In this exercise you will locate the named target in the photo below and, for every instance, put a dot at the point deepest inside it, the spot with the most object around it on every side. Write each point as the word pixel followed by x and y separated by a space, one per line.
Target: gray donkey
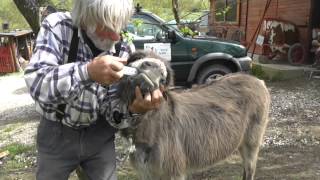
pixel 194 129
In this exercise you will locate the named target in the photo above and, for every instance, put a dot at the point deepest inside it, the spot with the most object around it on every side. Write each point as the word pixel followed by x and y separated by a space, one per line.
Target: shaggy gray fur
pixel 192 130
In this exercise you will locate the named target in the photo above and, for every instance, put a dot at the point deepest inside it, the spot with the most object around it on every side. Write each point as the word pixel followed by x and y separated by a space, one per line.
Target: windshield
pixel 146 26
pixel 175 28
pixel 170 26
pixel 158 18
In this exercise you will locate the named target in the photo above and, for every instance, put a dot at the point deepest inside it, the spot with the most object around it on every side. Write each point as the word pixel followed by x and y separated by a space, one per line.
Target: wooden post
pixel 246 25
pixel 15 62
pixel 12 55
pixel 258 28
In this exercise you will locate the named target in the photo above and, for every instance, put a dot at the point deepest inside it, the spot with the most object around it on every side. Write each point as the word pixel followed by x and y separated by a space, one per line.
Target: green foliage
pixel 164 8
pixel 137 22
pixel 63 4
pixel 186 31
pixel 58 4
pixel 258 72
pixel 127 37
pixel 223 11
pixel 9 13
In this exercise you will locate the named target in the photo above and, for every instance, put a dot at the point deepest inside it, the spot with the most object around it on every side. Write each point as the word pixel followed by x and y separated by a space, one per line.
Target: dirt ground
pixel 291 148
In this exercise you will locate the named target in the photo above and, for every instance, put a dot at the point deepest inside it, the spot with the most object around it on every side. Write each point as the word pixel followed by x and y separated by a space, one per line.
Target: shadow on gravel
pixel 21 91
pixel 19 114
pixel 289 162
pixel 285 162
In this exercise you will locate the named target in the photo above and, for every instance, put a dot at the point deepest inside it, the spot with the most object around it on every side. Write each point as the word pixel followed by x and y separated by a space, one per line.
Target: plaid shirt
pixel 52 81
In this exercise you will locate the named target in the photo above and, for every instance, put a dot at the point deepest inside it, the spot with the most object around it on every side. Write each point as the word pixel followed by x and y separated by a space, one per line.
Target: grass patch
pixel 11 127
pixel 20 156
pixel 8 129
pixel 122 176
pixel 18 148
pixel 126 172
pixel 258 72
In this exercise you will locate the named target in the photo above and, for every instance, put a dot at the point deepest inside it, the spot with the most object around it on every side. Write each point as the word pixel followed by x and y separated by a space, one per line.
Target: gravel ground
pixel 293 134
pixel 15 102
pixel 295 113
pixel 16 111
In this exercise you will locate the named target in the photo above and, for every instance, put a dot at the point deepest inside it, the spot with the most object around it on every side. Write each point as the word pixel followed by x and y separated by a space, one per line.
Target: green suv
pixel 194 60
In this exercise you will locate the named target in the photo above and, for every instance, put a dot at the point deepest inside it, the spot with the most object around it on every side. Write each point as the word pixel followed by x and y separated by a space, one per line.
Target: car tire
pixel 212 72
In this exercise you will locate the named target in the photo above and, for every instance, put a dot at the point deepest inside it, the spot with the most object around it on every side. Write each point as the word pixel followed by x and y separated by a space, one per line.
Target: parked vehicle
pixel 193 59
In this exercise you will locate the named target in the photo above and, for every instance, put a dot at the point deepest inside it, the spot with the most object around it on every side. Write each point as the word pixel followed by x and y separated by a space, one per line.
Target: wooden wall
pixel 296 11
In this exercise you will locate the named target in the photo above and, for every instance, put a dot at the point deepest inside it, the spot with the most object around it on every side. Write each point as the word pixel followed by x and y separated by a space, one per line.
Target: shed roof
pixel 16 33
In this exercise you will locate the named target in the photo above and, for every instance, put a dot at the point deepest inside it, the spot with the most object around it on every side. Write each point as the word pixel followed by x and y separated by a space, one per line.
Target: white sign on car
pixel 162 49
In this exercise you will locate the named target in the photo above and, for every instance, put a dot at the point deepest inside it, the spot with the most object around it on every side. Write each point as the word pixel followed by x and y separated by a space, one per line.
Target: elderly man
pixel 72 77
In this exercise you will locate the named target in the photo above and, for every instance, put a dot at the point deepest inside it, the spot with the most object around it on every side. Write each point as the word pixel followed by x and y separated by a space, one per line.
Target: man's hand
pixel 106 70
pixel 149 102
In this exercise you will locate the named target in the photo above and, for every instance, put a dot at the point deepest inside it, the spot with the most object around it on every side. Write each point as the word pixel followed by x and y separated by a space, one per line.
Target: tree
pixel 30 11
pixel 9 13
pixel 176 10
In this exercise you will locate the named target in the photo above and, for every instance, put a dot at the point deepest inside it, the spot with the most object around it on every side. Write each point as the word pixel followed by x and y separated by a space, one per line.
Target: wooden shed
pixel 15 50
pixel 267 25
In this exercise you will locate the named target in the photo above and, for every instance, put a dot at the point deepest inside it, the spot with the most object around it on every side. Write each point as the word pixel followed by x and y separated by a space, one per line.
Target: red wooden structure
pixel 15 47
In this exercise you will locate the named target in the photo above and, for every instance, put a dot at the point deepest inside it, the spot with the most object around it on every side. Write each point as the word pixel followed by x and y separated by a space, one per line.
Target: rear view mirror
pixel 172 35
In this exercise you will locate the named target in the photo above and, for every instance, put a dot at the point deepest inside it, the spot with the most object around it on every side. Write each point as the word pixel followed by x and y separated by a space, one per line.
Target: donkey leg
pixel 168 177
pixel 252 139
pixel 147 176
pixel 181 177
pixel 249 156
pixel 250 146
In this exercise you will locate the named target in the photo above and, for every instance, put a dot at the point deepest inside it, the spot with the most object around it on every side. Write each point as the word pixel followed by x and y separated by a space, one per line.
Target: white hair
pixel 111 14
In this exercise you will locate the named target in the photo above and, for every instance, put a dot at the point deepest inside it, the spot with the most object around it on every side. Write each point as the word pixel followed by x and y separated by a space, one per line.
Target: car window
pixel 143 29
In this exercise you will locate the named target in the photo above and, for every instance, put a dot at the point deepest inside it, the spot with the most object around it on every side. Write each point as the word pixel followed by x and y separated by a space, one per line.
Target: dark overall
pixel 61 149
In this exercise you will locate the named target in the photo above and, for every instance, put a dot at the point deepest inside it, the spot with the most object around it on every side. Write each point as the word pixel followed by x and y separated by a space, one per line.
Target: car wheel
pixel 211 73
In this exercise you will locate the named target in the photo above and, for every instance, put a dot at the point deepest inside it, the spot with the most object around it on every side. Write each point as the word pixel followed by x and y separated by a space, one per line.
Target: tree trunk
pixel 30 11
pixel 175 10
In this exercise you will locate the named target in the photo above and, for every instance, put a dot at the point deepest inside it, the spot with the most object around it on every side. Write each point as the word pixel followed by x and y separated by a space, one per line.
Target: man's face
pixel 102 38
pixel 106 33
